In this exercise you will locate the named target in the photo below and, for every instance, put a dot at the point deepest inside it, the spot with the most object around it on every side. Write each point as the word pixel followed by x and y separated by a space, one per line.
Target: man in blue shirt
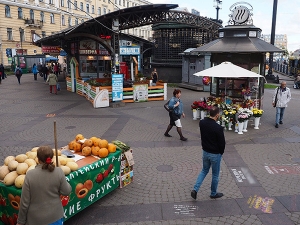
pixel 213 145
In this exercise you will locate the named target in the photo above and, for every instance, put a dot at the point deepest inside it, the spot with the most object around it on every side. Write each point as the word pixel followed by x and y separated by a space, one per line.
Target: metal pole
pixel 217 12
pixel 272 41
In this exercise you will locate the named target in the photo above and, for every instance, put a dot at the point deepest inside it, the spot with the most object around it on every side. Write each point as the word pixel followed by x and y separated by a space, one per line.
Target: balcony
pixel 33 23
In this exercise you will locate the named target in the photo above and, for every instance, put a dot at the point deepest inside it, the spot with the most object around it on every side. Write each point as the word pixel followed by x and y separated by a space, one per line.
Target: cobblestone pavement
pixel 156 196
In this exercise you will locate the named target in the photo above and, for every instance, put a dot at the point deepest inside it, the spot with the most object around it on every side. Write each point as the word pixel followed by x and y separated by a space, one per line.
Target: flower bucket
pixel 230 125
pixel 256 122
pixel 203 114
pixel 245 126
pixel 240 127
pixel 198 114
pixel 195 114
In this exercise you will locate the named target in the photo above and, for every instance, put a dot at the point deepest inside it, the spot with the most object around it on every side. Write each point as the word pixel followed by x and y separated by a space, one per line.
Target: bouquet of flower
pixel 194 105
pixel 242 117
pixel 248 103
pixel 230 114
pixel 206 80
pixel 246 92
pixel 202 105
pixel 257 112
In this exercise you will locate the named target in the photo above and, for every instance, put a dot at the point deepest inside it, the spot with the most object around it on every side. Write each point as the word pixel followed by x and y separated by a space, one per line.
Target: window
pixel 81 6
pixel 123 2
pixel 76 21
pixel 108 10
pixel 99 11
pixel 7 11
pixel 31 14
pixel 43 34
pixel 127 4
pixel 51 2
pixel 104 10
pixel 82 21
pixel 62 3
pixel 119 2
pixel 70 21
pixel 75 4
pixel 69 4
pixel 63 20
pixel 20 13
pixel 42 17
pixel 87 8
pixel 93 9
pixel 51 18
pixel 116 1
pixel 9 34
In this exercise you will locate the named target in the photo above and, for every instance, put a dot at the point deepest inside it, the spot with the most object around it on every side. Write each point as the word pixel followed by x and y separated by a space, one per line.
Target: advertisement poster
pixel 117 87
pixel 140 93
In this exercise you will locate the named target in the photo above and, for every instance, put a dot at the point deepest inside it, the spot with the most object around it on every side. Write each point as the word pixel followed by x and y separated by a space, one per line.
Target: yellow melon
pixel 103 152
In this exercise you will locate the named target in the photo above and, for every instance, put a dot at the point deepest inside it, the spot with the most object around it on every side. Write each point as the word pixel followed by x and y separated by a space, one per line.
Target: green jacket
pixel 52 79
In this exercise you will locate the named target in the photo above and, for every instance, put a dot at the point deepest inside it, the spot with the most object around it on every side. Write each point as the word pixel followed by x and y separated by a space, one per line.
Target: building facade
pixel 280 40
pixel 25 21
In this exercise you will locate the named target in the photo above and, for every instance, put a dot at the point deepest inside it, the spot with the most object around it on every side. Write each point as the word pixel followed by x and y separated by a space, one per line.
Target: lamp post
pixel 218 6
pixel 270 75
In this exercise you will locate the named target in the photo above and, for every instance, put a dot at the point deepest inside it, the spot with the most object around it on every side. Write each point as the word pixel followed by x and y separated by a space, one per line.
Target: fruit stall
pixel 95 169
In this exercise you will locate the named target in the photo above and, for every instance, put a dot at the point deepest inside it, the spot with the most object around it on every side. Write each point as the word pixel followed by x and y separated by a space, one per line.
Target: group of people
pixel 212 135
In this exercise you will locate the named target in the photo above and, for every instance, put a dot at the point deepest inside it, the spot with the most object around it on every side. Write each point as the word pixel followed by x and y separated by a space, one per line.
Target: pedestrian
pixel 34 71
pixel 213 145
pixel 282 95
pixel 18 73
pixel 2 73
pixel 154 77
pixel 55 69
pixel 45 71
pixel 176 107
pixel 40 200
pixel 52 80
pixel 39 68
pixel 297 82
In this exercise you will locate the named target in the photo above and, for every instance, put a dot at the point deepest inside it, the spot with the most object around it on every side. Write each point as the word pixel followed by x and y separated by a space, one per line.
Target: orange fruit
pixel 103 152
pixel 111 147
pixel 103 143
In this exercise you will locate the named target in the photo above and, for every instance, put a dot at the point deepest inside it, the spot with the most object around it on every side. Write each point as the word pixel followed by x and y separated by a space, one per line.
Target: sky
pixel 287 19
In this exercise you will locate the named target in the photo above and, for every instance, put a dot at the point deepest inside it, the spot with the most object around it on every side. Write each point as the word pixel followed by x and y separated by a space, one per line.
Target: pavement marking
pixel 187 210
pixel 50 115
pixel 261 203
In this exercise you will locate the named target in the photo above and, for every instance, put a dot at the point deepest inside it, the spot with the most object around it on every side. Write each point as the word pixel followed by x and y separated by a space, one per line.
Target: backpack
pixel 166 106
pixel 18 72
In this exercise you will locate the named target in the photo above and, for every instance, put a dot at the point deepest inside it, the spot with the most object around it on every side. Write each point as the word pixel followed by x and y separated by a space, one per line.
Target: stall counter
pixel 94 179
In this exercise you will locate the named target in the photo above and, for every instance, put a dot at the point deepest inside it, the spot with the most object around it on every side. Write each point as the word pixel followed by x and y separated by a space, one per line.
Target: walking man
pixel 282 95
pixel 213 145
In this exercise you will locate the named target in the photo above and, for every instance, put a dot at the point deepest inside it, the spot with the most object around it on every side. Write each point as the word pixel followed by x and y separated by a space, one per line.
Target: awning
pixel 50 58
pixel 237 45
pixel 227 70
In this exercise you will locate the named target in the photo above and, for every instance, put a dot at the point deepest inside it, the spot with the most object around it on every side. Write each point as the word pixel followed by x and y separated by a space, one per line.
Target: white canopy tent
pixel 228 70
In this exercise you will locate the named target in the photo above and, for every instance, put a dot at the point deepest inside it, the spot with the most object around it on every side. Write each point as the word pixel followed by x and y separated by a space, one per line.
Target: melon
pixel 3 171
pixel 21 158
pixel 19 181
pixel 34 149
pixel 103 152
pixel 8 159
pixel 12 165
pixel 66 169
pixel 30 168
pixel 9 179
pixel 30 162
pixel 72 165
pixel 22 168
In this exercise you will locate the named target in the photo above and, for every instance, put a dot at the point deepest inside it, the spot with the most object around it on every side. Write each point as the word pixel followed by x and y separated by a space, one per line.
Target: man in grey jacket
pixel 282 95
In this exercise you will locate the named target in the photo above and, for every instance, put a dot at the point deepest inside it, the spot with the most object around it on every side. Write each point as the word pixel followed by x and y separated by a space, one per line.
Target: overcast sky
pixel 287 21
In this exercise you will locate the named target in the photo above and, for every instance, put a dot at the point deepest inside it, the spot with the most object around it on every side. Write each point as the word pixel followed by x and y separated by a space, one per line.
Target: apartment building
pixel 24 21
pixel 280 40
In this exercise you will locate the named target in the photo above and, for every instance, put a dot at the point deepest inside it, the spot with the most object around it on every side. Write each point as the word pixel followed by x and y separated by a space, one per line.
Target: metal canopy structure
pixel 129 18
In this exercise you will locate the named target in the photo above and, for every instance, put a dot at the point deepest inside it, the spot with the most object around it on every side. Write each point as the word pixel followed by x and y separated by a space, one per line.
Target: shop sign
pixel 93 52
pixel 117 87
pixel 51 49
pixel 130 50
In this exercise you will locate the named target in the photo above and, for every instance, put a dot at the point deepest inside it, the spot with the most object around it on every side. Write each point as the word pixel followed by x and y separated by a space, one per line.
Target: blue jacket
pixel 178 110
pixel 34 69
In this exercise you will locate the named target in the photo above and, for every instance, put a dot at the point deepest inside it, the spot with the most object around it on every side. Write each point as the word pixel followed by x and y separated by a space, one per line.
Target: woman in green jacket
pixel 52 80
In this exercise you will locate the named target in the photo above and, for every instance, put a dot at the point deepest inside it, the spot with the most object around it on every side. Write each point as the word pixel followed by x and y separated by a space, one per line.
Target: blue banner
pixel 117 87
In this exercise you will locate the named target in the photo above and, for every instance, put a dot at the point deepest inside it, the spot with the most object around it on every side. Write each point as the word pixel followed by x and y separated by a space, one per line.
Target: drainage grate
pixel 164 168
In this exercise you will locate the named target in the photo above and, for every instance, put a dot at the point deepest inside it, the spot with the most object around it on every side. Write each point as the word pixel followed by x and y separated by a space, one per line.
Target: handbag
pixel 166 106
pixel 275 102
pixel 58 87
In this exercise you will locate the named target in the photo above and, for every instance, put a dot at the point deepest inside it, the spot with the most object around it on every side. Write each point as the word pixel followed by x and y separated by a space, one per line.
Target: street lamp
pixel 218 5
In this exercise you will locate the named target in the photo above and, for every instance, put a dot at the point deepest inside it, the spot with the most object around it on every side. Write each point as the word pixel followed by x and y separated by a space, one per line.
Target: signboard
pixel 130 50
pixel 140 93
pixel 117 87
pixel 51 49
pixel 101 99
